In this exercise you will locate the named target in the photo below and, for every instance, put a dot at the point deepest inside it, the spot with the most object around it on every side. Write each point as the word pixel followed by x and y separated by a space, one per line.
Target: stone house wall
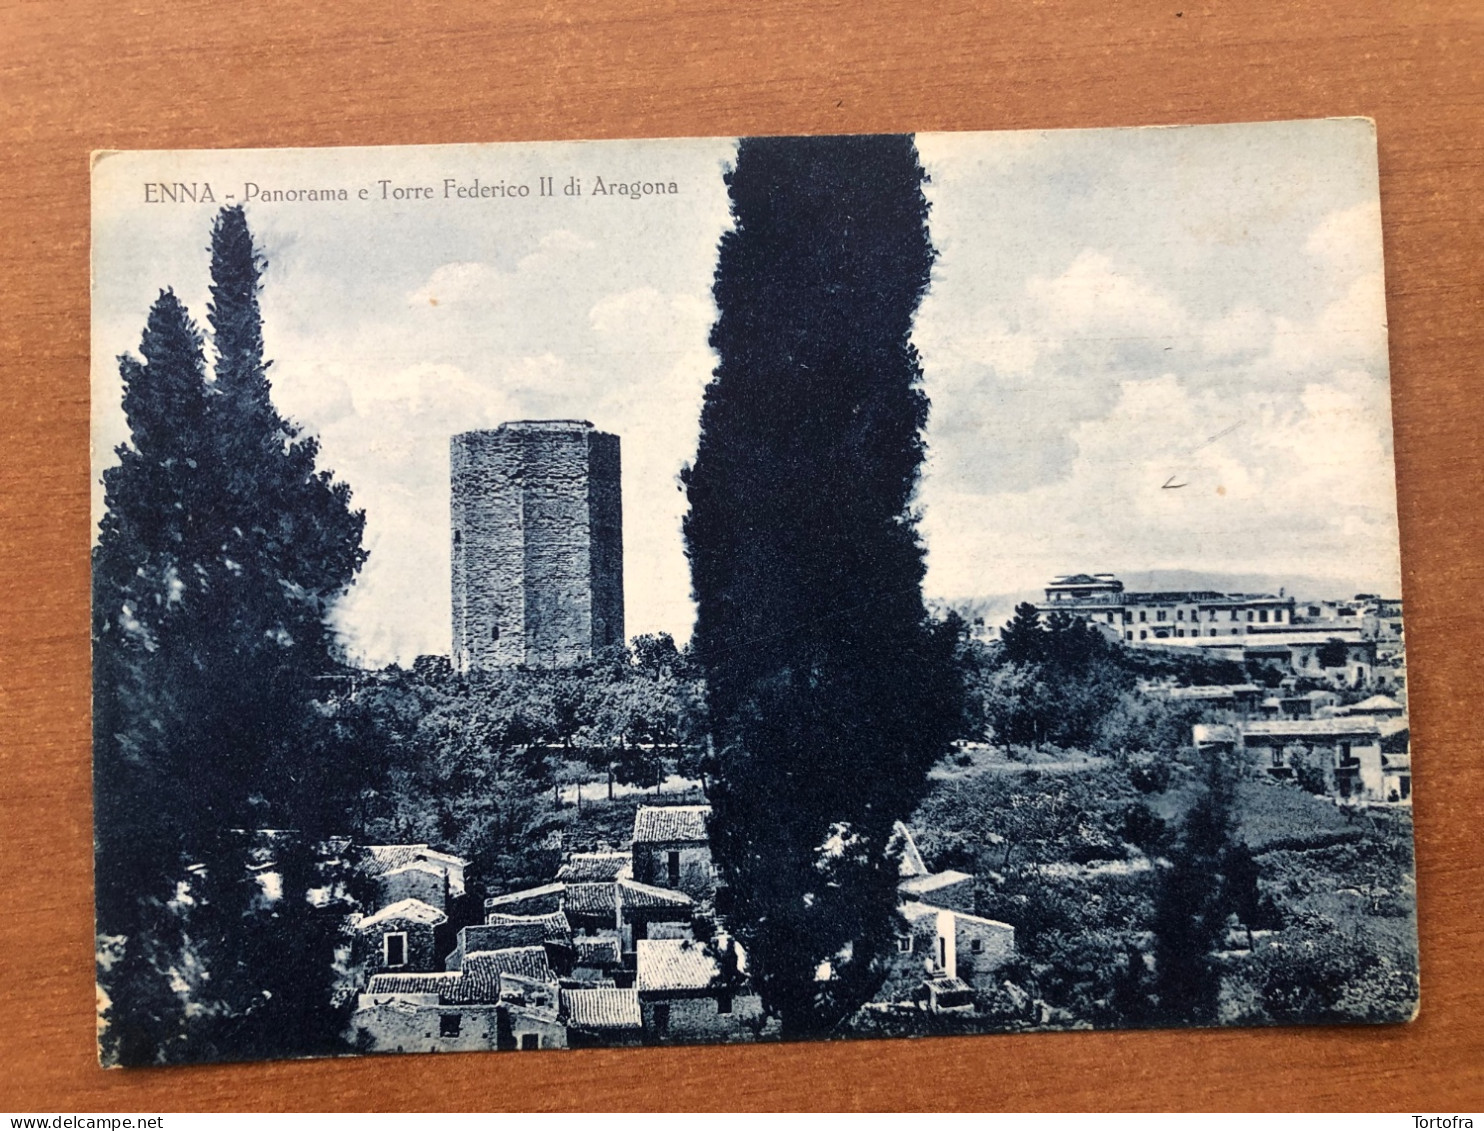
pixel 422 950
pixel 698 1017
pixel 413 883
pixel 697 875
pixel 981 947
pixel 404 1026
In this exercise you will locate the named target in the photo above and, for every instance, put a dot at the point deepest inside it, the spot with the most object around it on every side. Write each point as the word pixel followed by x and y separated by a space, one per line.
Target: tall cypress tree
pixel 146 589
pixel 295 546
pixel 207 716
pixel 1192 901
pixel 289 531
pixel 830 691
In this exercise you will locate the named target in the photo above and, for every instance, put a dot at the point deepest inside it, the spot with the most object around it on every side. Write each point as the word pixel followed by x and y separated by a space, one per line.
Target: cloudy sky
pixel 1112 311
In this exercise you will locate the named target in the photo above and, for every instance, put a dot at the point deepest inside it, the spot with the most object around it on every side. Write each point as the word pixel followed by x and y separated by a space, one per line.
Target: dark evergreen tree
pixel 144 591
pixel 291 545
pixel 221 553
pixel 1023 639
pixel 829 690
pixel 1192 902
pixel 292 522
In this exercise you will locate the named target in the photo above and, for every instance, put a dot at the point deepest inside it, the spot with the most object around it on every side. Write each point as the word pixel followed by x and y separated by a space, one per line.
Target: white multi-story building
pixel 1350 644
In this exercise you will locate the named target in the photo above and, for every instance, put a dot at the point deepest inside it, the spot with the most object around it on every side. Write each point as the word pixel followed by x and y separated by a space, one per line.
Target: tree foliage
pixel 830 693
pixel 220 555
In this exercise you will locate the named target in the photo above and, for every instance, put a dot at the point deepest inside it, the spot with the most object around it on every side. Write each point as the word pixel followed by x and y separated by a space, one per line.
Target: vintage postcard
pixel 724 590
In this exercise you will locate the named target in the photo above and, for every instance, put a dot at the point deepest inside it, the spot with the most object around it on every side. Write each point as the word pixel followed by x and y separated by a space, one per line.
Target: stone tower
pixel 537 545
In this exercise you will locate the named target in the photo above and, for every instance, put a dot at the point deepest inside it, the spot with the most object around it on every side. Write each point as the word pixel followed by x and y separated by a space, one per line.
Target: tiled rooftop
pixel 662 823
pixel 1311 728
pixel 591 899
pixel 409 910
pixel 933 881
pixel 382 858
pixel 545 893
pixel 554 927
pixel 602 1009
pixel 634 894
pixel 595 867
pixel 673 964
pixel 440 982
pixel 482 970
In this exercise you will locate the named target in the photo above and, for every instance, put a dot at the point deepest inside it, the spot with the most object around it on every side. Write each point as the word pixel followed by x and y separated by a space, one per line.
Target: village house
pixel 692 991
pixel 460 1011
pixel 624 909
pixel 415 871
pixel 602 1016
pixel 1342 754
pixel 399 937
pixel 1346 750
pixel 410 1013
pixel 504 932
pixel 937 942
pixel 672 849
pixel 944 953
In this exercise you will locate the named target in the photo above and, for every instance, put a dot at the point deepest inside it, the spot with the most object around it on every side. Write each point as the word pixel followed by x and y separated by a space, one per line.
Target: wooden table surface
pixel 83 76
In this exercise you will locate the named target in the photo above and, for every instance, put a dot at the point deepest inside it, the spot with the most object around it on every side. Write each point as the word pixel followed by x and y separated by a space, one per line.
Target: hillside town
pixel 629 944
pixel 1329 681
pixel 620 948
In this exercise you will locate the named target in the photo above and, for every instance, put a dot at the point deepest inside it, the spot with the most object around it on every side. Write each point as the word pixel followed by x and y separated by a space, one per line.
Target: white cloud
pixel 1097 298
pixel 1348 240
pixel 454 282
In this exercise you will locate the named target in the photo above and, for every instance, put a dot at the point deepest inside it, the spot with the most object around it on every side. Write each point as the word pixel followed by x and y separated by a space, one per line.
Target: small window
pixel 1179 614
pixel 976 946
pixel 458 538
pixel 672 868
pixel 394 948
pixel 494 632
pixel 1263 616
pixel 1143 616
pixel 662 1019
pixel 723 1003
pixel 529 1041
pixel 942 952
pixel 904 944
pixel 449 1024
